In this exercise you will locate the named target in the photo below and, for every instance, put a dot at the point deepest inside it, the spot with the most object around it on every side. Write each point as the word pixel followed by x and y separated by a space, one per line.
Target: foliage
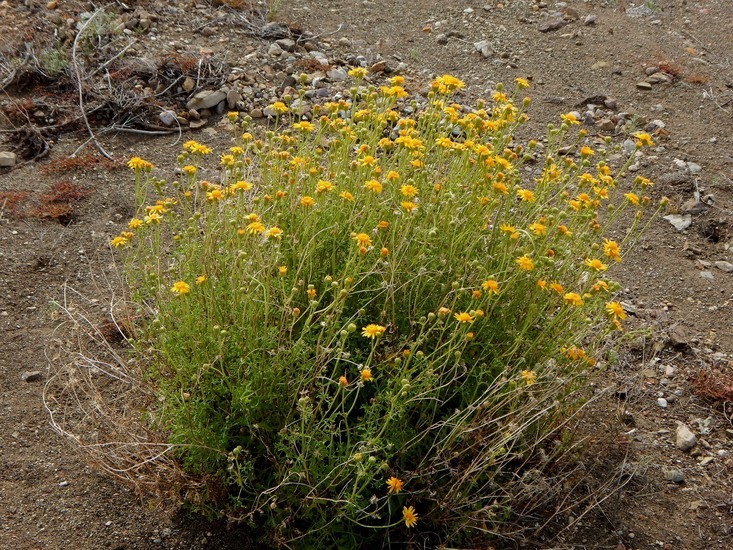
pixel 373 321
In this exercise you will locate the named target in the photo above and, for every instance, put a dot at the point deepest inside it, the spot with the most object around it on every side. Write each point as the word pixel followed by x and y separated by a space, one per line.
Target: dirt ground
pixel 677 364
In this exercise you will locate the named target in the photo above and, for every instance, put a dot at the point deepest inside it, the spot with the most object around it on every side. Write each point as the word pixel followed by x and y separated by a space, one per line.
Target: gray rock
pixel 552 24
pixel 256 113
pixel 233 97
pixel 205 100
pixel 674 475
pixel 337 75
pixel 680 222
pixel 685 439
pixel 196 124
pixel 274 50
pixel 320 57
pixel 662 402
pixel 708 275
pixel 299 107
pixel 168 118
pixel 610 103
pixel 442 39
pixel 484 47
pixel 655 125
pixel 590 19
pixel 651 70
pixel 724 266
pixel 694 168
pixel 694 207
pixel 287 44
pixel 7 159
pixel 659 78
pixel 629 146
pixel 646 86
pixel 31 376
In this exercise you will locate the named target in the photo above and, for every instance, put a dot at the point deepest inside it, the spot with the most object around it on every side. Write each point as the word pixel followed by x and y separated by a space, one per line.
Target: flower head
pixel 180 288
pixel 615 310
pixel 118 241
pixel 394 484
pixel 410 516
pixel 525 263
pixel 528 376
pixel 573 298
pixel 463 317
pixel 362 239
pixel 490 286
pixel 366 374
pixel 136 163
pixel 373 331
pixel 612 250
pixel 595 264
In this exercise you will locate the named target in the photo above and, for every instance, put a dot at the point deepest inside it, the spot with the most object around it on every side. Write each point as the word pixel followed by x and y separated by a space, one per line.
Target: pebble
pixel 708 275
pixel 7 159
pixel 680 222
pixel 674 475
pixel 31 376
pixel 590 19
pixel 274 50
pixel 694 168
pixel 233 97
pixel 646 86
pixel 606 124
pixel 685 439
pixel 662 402
pixel 442 39
pixel 168 118
pixel 286 44
pixel 552 24
pixel 484 47
pixel 205 100
pixel 724 266
pixel 337 75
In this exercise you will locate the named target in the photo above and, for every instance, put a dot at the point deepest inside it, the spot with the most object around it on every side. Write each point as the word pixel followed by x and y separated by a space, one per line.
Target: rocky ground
pixel 657 468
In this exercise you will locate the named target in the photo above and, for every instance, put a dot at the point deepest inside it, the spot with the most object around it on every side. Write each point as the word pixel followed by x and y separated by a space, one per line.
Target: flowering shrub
pixel 370 321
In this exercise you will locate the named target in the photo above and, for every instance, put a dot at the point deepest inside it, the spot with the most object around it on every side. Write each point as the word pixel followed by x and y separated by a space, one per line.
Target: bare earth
pixel 621 495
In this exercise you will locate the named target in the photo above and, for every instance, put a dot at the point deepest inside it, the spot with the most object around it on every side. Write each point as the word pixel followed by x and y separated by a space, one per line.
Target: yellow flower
pixel 569 118
pixel 382 224
pixel 367 161
pixel 587 151
pixel 384 252
pixel 189 170
pixel 528 376
pixel 642 138
pixel 538 229
pixel 304 126
pixel 463 317
pixel 343 382
pixel 255 228
pixel 446 84
pixel 541 283
pixel 279 107
pixel 322 186
pixel 346 196
pixel 557 287
pixel 136 163
pixel 490 286
pixel 373 331
pixel 525 263
pixel 408 190
pixel 180 287
pixel 362 239
pixel 392 176
pixel 409 206
pixel 357 72
pixel 574 353
pixel 214 195
pixel 307 201
pixel 394 485
pixel 311 292
pixel 573 299
pixel 443 311
pixel 410 516
pixel 374 186
pixel 233 115
pixel 282 270
pixel 118 241
pixel 615 310
pixel 526 195
pixel 396 80
pixel 612 250
pixel 366 375
pixel 500 187
pixel 600 285
pixel 521 83
pixel 274 232
pixel 242 186
pixel 200 279
pixel 633 198
pixel 595 264
pixel 227 160
pixel 564 230
pixel 153 217
pixel 134 223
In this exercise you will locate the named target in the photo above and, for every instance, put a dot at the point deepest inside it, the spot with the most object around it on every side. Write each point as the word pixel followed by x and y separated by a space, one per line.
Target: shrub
pixel 374 320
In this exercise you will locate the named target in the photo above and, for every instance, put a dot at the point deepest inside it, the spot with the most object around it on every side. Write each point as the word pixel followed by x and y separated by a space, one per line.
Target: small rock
pixel 52 5
pixel 196 124
pixel 708 275
pixel 694 168
pixel 7 159
pixel 233 97
pixel 168 118
pixel 206 99
pixel 320 57
pixel 651 70
pixel 552 24
pixel 674 475
pixel 679 337
pixel 31 376
pixel 724 266
pixel 256 113
pixel 188 84
pixel 659 78
pixel 63 484
pixel 645 86
pixel 685 440
pixel 442 39
pixel 694 207
pixel 287 44
pixel 274 50
pixel 655 125
pixel 662 402
pixel 610 103
pixel 606 124
pixel 337 75
pixel 680 223
pixel 484 47
pixel 590 19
